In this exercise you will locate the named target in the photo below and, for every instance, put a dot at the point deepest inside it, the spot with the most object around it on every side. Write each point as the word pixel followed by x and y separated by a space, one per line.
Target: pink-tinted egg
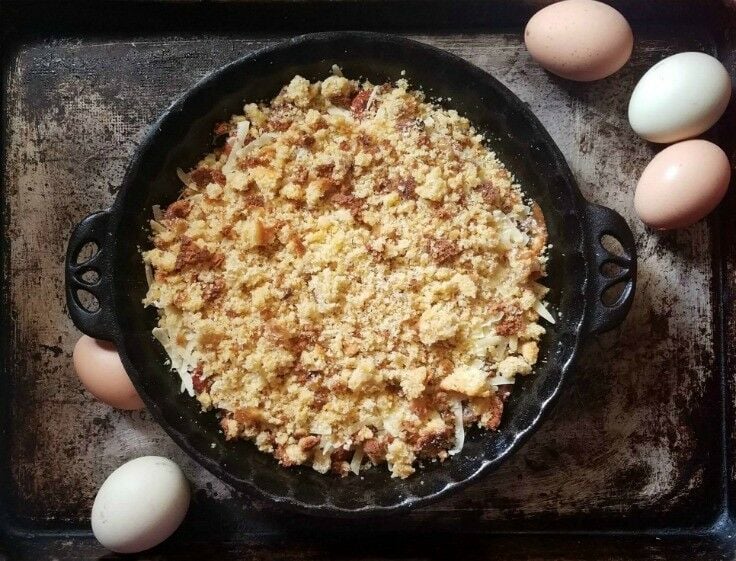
pixel 682 184
pixel 99 368
pixel 581 40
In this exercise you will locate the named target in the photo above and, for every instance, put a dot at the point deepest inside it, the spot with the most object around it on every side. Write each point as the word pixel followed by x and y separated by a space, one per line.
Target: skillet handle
pixel 602 221
pixel 96 321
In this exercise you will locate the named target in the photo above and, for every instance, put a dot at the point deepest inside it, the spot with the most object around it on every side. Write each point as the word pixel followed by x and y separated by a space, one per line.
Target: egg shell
pixel 581 40
pixel 679 97
pixel 682 184
pixel 140 504
pixel 99 368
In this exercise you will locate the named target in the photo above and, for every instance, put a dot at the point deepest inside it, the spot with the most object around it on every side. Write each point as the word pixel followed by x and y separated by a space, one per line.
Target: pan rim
pixel 487 464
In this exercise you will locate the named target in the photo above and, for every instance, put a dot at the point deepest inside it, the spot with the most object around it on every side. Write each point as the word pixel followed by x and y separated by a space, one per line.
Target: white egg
pixel 140 504
pixel 679 97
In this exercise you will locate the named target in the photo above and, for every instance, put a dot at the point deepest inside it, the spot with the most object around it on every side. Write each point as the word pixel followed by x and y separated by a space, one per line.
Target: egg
pixel 98 366
pixel 682 184
pixel 581 40
pixel 679 97
pixel 140 504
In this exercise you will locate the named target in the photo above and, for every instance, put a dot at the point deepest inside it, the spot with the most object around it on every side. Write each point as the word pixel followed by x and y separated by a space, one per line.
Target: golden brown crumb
pixel 214 289
pixel 350 202
pixel 442 250
pixel 375 450
pixel 511 320
pixel 360 102
pixel 204 176
pixel 192 254
pixel 407 188
pixel 350 274
pixel 308 442
pixel 178 209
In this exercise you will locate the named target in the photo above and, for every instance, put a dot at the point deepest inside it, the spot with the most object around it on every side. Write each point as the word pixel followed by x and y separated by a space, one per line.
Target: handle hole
pixel 87 301
pixel 612 245
pixel 612 295
pixel 91 276
pixel 609 269
pixel 86 252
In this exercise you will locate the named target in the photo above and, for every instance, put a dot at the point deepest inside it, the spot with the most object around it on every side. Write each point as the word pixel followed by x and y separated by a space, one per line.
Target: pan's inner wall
pixel 185 134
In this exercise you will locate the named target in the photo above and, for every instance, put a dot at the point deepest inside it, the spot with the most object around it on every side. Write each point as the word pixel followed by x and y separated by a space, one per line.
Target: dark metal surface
pixel 633 463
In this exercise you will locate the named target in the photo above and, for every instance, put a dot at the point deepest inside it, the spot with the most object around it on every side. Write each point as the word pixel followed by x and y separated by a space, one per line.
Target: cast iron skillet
pixel 184 133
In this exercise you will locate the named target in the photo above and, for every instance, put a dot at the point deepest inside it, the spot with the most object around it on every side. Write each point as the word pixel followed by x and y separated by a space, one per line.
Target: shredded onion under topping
pixel 263 140
pixel 371 98
pixel 157 227
pixel 157 214
pixel 540 308
pixel 241 131
pixel 513 343
pixel 457 409
pixel 149 273
pixel 498 316
pixel 184 177
pixel 501 380
pixel 357 460
pixel 180 362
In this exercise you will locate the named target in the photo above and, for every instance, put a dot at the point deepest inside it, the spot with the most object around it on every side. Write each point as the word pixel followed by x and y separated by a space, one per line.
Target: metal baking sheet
pixel 633 460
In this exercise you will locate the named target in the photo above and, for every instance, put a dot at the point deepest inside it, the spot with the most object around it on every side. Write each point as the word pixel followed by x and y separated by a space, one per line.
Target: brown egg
pixel 99 368
pixel 682 184
pixel 580 40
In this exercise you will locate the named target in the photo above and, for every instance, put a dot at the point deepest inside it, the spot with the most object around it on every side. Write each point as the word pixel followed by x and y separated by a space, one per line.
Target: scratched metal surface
pixel 633 442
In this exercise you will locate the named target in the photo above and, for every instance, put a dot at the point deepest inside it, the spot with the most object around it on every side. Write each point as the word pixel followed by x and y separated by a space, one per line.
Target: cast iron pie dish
pixel 577 272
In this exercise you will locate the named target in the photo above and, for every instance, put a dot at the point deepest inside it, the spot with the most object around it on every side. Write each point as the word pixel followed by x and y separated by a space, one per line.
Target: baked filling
pixel 351 279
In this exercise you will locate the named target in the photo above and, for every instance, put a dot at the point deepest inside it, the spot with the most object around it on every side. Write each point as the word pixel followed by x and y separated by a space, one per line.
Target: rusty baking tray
pixel 634 462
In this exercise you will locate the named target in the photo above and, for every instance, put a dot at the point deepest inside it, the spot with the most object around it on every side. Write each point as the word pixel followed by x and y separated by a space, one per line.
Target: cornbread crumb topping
pixel 350 279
